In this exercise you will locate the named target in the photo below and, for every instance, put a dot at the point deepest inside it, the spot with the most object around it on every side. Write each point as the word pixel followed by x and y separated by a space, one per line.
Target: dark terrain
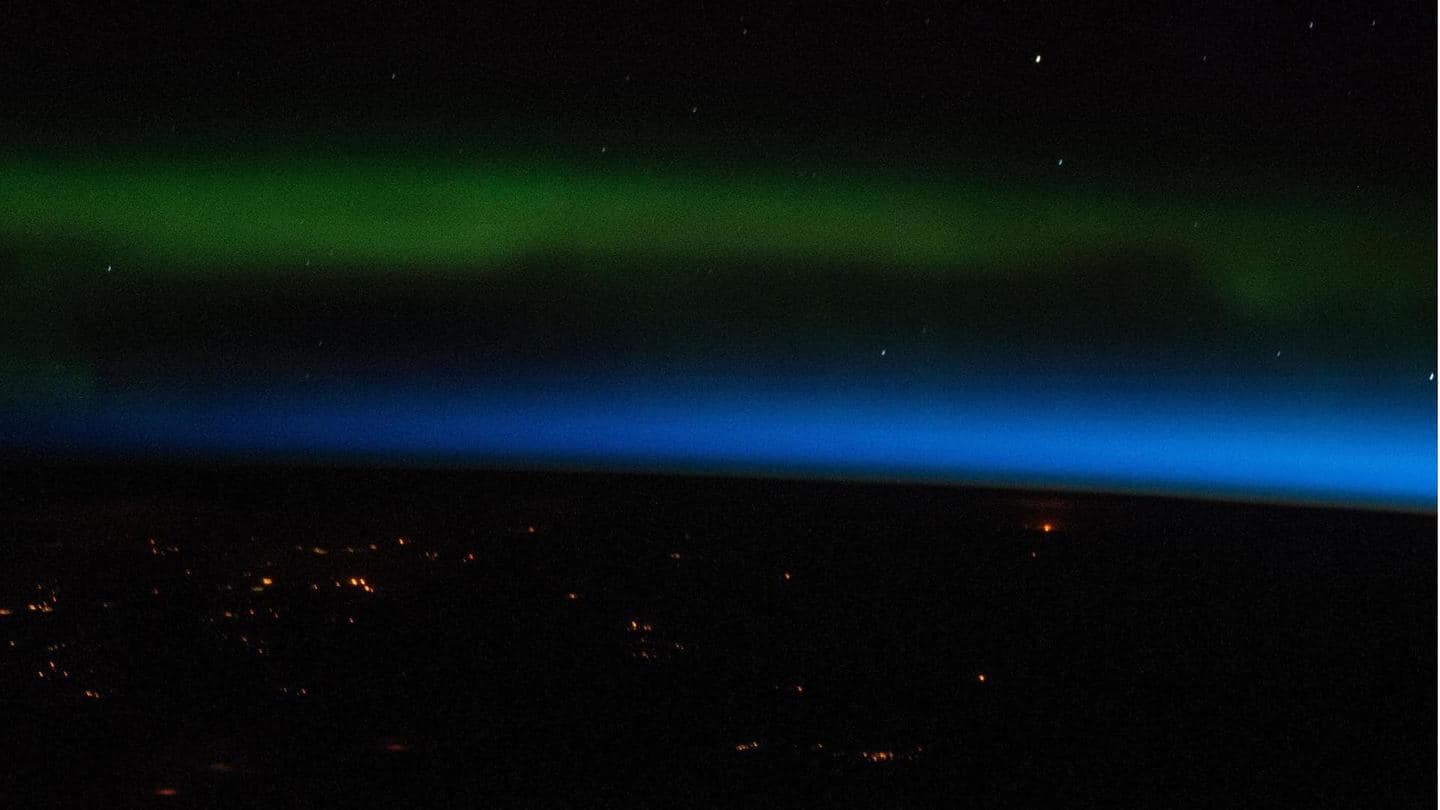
pixel 259 636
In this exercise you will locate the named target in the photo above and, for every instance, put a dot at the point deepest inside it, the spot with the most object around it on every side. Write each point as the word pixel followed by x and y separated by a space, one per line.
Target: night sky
pixel 1318 89
pixel 1159 249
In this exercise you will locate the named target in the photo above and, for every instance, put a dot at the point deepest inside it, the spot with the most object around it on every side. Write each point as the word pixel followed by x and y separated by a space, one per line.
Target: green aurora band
pixel 247 216
pixel 1273 259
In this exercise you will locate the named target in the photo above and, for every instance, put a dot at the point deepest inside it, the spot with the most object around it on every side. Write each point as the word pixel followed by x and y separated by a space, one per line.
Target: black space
pixel 1248 85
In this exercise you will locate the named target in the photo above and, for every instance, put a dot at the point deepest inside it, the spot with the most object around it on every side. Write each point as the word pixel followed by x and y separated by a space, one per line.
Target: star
pixel 1037 58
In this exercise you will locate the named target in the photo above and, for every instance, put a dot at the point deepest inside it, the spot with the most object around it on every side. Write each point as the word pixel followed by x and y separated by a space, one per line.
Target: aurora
pixel 766 321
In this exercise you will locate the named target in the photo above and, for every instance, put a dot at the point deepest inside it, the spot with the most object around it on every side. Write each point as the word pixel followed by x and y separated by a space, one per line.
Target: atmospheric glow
pixel 1256 444
pixel 1336 431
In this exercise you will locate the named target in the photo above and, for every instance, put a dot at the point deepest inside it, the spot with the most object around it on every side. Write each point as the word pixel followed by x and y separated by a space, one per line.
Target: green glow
pixel 372 215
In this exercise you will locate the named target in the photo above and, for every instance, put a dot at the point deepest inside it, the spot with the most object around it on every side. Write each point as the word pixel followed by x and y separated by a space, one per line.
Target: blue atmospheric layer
pixel 1319 446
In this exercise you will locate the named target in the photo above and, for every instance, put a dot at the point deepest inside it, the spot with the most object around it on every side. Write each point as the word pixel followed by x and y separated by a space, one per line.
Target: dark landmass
pixel 260 636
